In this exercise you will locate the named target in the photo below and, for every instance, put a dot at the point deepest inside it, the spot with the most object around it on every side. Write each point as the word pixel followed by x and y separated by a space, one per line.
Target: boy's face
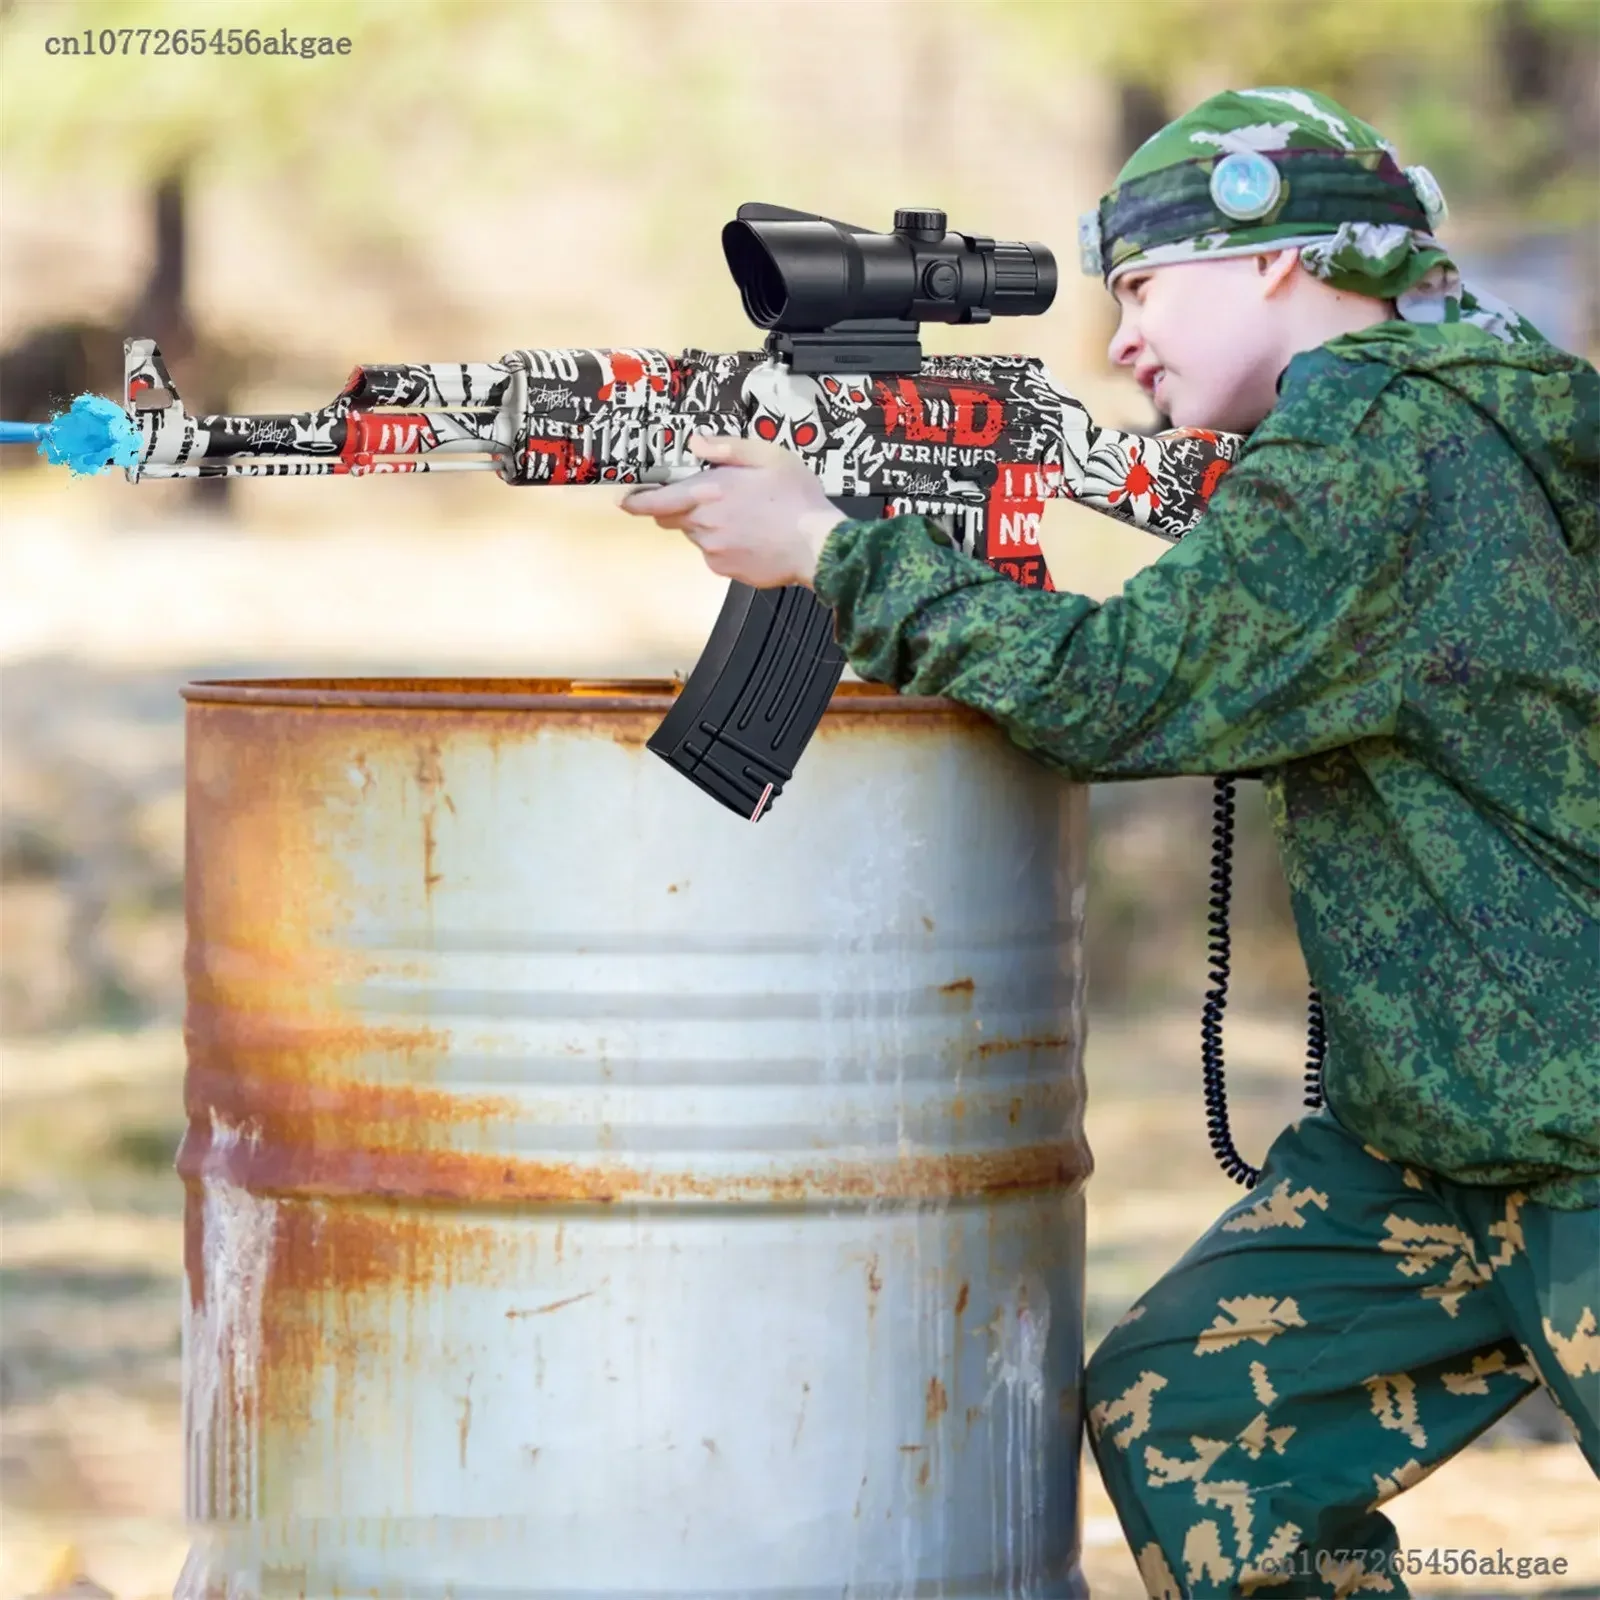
pixel 1203 339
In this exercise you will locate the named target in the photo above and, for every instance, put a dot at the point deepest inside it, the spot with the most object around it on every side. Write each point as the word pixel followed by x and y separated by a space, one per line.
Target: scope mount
pixel 886 345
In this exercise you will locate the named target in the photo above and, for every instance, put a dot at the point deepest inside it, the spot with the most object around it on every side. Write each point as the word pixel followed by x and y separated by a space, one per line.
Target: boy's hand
pixel 759 516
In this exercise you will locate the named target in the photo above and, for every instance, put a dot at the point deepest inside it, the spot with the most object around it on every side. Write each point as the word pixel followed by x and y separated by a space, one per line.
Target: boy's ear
pixel 1276 267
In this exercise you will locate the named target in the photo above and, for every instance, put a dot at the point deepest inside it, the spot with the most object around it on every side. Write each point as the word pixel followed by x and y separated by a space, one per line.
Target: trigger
pixel 665 472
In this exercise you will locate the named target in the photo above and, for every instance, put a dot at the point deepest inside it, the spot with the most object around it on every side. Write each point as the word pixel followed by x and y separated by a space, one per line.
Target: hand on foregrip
pixel 758 515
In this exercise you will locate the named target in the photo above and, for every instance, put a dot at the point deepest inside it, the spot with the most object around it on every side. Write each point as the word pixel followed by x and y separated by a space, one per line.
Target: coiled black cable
pixel 1316 1048
pixel 1218 950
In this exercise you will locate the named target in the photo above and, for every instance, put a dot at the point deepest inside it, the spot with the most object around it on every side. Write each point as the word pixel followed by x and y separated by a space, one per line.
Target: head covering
pixel 1251 170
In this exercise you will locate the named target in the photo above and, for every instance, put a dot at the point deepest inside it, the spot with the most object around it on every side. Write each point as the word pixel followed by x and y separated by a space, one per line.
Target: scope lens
pixel 760 282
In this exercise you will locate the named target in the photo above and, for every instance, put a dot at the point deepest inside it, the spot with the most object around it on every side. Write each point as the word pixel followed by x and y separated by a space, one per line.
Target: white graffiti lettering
pixel 1019 527
pixel 1031 481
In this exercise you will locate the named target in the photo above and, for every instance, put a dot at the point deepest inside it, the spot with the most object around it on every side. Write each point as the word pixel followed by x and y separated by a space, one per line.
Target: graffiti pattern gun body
pixel 977 443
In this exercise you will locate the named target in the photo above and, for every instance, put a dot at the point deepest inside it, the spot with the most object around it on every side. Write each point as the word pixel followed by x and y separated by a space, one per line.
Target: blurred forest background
pixel 477 175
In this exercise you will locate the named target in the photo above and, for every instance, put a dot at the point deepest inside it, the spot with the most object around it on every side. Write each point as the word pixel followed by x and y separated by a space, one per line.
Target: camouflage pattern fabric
pixel 1361 222
pixel 1392 605
pixel 1339 1333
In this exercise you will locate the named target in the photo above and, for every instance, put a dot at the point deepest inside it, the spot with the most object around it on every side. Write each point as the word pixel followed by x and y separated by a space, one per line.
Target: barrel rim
pixel 454 694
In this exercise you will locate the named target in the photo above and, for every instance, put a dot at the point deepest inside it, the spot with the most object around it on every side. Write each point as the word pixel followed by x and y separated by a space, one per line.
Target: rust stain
pixel 960 986
pixel 912 1449
pixel 938 1401
pixel 555 1305
pixel 385 1247
pixel 995 1047
pixel 252 1033
pixel 923 1474
pixel 328 1268
pixel 973 1413
pixel 194 1245
pixel 673 888
pixel 429 772
pixel 874 1282
pixel 343 1139
pixel 430 781
pixel 558 697
pixel 429 876
pixel 561 1234
pixel 927 922
pixel 1014 1110
pixel 463 1427
pixel 962 1296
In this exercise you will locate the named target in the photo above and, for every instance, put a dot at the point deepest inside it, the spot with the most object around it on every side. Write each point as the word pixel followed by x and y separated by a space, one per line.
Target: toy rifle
pixel 976 443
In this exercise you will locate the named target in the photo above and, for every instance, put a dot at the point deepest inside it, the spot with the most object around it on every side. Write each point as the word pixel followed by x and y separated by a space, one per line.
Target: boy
pixel 1392 606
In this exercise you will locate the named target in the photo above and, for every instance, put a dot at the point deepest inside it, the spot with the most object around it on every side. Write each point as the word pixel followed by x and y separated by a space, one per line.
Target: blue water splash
pixel 93 435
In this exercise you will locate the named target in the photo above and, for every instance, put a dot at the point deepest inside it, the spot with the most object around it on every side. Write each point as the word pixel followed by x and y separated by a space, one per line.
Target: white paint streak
pixel 1021 1330
pixel 222 1338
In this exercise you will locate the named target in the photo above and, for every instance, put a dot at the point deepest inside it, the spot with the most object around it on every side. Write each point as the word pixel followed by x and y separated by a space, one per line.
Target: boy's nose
pixel 1123 350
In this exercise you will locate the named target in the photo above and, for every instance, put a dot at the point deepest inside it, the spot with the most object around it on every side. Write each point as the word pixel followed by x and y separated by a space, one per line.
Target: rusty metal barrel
pixel 592 1193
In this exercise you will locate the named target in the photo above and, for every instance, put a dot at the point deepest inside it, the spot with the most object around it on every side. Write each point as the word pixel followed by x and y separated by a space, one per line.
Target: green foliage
pixel 1575 21
pixel 1425 71
pixel 1337 46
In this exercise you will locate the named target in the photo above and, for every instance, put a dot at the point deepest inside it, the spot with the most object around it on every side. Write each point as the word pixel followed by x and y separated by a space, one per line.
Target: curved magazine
pixel 757 692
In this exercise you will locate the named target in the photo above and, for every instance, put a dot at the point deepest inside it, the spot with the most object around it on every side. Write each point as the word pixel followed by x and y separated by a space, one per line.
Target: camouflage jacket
pixel 1392 604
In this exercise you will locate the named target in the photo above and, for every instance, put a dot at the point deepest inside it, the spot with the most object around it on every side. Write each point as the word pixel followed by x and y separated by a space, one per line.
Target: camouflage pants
pixel 1336 1335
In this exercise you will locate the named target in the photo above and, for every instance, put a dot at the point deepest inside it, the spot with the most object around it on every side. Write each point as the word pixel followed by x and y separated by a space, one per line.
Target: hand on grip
pixel 759 515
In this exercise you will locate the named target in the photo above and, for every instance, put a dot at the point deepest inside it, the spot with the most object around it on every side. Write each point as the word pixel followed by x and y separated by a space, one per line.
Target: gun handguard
pixel 978 443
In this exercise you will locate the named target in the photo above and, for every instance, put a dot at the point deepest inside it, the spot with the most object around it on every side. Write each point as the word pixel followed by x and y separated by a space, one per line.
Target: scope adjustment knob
pixel 941 280
pixel 928 224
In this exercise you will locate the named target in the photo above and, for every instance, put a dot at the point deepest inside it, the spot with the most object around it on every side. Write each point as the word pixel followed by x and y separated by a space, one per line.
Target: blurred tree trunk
pixel 161 312
pixel 1141 114
pixel 1545 69
pixel 1527 55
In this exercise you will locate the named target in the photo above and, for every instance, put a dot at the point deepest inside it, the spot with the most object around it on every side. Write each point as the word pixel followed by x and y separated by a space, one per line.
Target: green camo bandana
pixel 1269 169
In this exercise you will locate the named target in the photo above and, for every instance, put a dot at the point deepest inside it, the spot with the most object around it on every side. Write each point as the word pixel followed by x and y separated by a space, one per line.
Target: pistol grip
pixel 758 691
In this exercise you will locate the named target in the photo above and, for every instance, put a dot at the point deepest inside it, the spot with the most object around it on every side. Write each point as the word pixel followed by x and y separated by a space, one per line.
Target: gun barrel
pixel 385 419
pixel 302 468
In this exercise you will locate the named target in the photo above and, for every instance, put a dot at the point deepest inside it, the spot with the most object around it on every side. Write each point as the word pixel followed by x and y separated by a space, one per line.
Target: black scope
pixel 799 273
